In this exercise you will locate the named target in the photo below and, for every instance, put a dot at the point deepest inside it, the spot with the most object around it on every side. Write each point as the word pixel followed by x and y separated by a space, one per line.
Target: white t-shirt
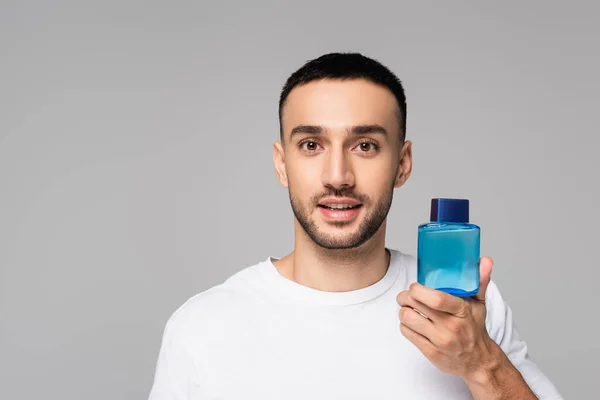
pixel 262 336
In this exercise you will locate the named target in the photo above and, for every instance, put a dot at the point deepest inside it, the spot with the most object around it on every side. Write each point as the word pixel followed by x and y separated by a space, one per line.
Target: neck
pixel 336 270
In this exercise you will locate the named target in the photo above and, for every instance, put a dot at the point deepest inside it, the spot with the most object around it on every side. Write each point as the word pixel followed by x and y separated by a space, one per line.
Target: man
pixel 341 316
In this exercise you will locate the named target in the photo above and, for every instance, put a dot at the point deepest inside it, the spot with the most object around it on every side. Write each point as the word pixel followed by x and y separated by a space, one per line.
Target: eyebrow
pixel 356 129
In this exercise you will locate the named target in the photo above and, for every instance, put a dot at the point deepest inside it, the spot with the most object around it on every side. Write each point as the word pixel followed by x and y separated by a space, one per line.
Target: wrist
pixel 497 378
pixel 491 364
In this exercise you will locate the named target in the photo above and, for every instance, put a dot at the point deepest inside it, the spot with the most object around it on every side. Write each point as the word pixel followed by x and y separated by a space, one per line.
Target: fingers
pixel 485 275
pixel 418 316
pixel 416 338
pixel 405 299
pixel 416 321
pixel 436 299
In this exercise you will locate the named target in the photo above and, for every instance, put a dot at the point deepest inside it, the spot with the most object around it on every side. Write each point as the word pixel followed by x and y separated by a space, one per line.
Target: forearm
pixel 499 380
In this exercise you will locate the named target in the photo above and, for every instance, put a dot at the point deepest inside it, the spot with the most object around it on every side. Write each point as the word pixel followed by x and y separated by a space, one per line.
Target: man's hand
pixel 450 331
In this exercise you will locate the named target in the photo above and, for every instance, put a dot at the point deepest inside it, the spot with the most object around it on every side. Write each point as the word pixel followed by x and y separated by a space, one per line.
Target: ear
pixel 405 164
pixel 279 164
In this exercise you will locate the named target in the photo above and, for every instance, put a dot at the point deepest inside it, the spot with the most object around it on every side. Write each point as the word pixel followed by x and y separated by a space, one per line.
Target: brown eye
pixel 309 146
pixel 365 146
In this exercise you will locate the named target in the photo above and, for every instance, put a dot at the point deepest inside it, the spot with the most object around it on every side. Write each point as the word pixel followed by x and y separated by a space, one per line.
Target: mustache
pixel 345 193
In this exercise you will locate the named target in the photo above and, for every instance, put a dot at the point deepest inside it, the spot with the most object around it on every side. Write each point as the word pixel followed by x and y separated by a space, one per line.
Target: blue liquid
pixel 448 257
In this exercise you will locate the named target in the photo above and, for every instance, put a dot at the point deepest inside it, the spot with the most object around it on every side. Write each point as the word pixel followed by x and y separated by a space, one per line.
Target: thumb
pixel 485 275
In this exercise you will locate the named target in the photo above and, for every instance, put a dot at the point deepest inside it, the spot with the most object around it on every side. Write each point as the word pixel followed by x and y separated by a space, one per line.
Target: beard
pixel 365 231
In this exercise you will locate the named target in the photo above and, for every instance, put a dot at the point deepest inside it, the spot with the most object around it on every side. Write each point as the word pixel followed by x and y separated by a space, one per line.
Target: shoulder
pixel 214 306
pixel 498 318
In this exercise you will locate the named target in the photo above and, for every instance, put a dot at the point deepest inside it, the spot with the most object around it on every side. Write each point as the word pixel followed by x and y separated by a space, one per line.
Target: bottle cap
pixel 449 210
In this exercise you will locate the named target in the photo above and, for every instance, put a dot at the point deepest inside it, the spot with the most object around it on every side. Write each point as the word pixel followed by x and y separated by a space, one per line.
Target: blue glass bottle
pixel 448 249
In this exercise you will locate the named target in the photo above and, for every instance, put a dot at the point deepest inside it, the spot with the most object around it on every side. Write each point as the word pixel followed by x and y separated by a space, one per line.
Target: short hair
pixel 346 66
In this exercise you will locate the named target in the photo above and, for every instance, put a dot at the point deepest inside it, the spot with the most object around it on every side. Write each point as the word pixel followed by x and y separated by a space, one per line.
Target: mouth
pixel 340 211
pixel 340 207
pixel 338 203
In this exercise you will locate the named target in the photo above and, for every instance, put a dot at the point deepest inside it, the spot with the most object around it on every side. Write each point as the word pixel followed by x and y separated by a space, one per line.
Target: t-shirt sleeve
pixel 174 368
pixel 501 328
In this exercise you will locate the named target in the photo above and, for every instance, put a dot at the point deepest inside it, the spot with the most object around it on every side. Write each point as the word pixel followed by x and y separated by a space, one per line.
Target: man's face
pixel 341 159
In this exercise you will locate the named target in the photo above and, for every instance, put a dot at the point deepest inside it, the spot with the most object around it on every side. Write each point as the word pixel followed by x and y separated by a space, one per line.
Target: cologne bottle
pixel 448 249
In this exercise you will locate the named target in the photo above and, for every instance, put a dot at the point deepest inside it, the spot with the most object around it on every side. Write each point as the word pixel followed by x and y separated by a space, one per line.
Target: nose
pixel 337 170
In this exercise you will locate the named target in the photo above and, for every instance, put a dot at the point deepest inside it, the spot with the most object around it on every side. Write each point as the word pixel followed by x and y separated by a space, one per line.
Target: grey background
pixel 136 171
